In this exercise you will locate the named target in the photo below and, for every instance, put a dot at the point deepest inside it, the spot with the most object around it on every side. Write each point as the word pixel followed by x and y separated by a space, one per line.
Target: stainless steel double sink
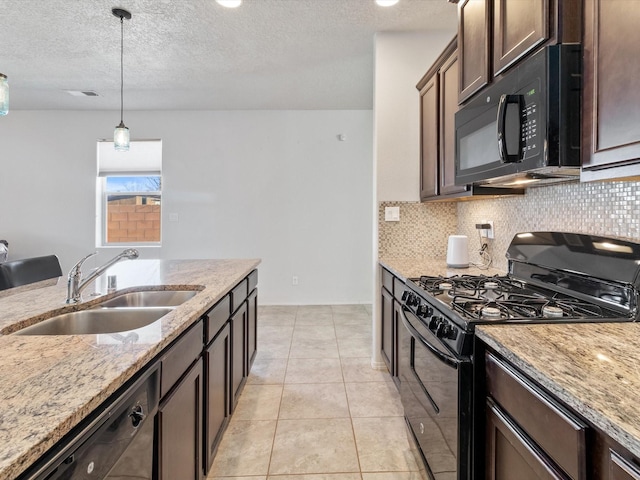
pixel 121 313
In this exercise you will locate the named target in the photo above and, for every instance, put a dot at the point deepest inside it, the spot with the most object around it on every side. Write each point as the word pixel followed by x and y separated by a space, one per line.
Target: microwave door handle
pixel 505 100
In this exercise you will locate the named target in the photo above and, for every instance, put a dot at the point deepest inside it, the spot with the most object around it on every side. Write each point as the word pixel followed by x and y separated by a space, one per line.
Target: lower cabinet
pixel 202 375
pixel 527 430
pixel 238 353
pixel 179 428
pixel 217 358
pixel 391 309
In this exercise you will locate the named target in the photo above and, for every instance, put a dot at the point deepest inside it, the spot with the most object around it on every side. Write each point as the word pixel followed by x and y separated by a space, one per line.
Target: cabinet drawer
pixel 621 468
pixel 180 356
pixel 560 434
pixel 398 288
pixel 387 280
pixel 253 280
pixel 216 318
pixel 239 294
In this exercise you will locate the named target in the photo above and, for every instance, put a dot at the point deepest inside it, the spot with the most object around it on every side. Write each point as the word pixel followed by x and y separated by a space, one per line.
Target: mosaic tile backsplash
pixel 601 208
pixel 422 231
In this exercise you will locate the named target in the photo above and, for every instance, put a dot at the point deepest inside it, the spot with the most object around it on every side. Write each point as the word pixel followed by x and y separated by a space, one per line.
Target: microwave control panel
pixel 529 120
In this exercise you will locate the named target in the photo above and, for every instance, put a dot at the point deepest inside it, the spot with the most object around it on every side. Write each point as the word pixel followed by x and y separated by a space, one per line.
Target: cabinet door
pixel 622 469
pixel 611 108
pixel 397 311
pixel 448 109
pixel 518 27
pixel 180 429
pixel 429 139
pixel 387 329
pixel 217 391
pixel 252 328
pixel 474 46
pixel 238 353
pixel 509 451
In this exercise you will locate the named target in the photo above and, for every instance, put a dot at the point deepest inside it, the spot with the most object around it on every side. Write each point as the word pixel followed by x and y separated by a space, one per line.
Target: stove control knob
pixel 405 294
pixel 442 325
pixel 434 323
pixel 413 300
pixel 449 332
pixel 424 311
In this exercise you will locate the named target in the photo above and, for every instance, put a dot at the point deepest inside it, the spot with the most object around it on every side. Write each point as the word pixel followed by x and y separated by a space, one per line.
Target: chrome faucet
pixel 75 283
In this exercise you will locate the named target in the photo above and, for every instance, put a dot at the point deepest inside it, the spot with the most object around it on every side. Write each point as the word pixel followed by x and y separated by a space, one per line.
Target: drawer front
pixel 217 317
pixel 180 356
pixel 253 280
pixel 398 288
pixel 239 294
pixel 621 468
pixel 387 280
pixel 560 434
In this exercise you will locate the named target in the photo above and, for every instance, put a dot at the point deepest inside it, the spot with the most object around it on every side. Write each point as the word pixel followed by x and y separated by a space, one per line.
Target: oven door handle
pixel 443 357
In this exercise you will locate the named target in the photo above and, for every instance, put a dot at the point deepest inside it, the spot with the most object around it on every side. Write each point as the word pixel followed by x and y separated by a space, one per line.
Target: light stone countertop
pixel 48 384
pixel 594 368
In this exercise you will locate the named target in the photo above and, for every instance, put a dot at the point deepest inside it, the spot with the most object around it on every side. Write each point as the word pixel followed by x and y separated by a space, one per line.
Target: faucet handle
pixel 76 268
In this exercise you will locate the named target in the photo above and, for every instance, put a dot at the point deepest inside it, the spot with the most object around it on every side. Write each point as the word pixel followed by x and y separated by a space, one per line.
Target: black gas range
pixel 552 277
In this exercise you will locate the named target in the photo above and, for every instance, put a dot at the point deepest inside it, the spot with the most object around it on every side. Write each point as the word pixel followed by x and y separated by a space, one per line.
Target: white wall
pixel 278 185
pixel 401 59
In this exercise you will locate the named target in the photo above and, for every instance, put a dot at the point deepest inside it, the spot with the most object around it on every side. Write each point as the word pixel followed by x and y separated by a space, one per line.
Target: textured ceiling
pixel 195 54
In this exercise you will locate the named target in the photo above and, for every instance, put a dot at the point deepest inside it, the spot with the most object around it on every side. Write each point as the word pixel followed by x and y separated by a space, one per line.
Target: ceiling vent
pixel 82 93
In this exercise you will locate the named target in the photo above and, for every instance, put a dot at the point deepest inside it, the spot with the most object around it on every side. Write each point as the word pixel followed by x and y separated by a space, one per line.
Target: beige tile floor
pixel 313 408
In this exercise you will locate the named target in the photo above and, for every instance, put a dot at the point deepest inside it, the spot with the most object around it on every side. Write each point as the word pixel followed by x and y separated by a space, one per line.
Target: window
pixel 129 190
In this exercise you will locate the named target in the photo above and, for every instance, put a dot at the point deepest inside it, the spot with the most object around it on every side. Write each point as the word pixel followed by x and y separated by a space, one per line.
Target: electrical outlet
pixel 488 232
pixel 294 280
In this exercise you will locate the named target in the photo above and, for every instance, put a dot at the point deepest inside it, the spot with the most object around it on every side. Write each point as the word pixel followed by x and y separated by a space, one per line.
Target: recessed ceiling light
pixel 387 3
pixel 231 3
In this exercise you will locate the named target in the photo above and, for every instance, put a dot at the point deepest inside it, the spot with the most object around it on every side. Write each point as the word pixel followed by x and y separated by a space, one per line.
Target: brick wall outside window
pixel 133 223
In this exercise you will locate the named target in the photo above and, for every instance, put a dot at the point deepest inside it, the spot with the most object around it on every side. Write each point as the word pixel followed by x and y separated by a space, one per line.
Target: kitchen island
pixel 51 383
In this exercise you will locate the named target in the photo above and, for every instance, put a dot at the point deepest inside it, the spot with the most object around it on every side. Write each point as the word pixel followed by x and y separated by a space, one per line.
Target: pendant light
pixel 121 134
pixel 4 94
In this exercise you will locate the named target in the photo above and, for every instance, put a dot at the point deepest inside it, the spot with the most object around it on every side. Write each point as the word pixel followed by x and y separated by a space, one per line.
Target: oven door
pixel 435 387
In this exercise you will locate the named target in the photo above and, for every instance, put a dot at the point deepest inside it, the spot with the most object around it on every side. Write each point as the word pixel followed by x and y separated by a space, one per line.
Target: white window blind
pixel 143 158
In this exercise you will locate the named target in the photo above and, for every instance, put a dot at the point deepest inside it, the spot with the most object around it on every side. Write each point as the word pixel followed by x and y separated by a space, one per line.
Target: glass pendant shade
pixel 121 138
pixel 4 94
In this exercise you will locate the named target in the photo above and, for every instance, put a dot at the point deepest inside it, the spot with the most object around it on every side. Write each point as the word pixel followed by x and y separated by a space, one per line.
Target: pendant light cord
pixel 121 69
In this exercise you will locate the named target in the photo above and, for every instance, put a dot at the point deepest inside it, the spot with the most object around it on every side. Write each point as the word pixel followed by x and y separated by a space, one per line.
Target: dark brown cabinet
pixel 179 428
pixel 238 352
pixel 518 28
pixel 509 451
pixel 622 469
pixel 438 105
pixel 473 46
pixel 611 97
pixel 391 309
pixel 496 34
pixel 252 328
pixel 217 357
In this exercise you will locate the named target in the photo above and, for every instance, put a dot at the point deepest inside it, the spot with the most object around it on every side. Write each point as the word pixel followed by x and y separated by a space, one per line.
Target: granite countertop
pixel 405 268
pixel 594 368
pixel 50 383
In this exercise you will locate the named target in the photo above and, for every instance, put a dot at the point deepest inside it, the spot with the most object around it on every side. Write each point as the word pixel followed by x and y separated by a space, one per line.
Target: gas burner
pixel 551 311
pixel 445 286
pixel 491 285
pixel 490 313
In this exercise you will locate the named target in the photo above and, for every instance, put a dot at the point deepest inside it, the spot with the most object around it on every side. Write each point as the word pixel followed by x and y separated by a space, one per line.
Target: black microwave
pixel 524 129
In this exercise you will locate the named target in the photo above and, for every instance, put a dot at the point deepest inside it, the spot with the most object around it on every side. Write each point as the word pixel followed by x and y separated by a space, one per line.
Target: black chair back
pixel 28 270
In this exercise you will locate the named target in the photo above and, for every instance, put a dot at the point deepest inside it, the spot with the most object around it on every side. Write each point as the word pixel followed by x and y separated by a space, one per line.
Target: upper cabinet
pixel 438 105
pixel 611 97
pixel 496 34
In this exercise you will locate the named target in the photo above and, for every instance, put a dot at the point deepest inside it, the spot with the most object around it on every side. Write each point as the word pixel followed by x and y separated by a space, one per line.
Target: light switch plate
pixel 392 214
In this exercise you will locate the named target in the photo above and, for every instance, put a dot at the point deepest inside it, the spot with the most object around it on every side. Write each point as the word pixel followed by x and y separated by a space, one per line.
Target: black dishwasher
pixel 116 444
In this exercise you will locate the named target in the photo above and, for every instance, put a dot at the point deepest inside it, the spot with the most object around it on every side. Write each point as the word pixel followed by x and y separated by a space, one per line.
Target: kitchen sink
pixel 96 321
pixel 150 298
